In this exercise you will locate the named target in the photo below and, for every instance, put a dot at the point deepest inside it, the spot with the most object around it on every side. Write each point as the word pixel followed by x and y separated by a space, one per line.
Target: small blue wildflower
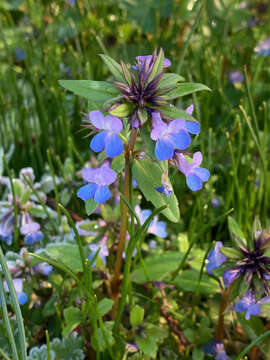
pixel 20 54
pixel 215 202
pixel 215 258
pixel 195 175
pixel 99 180
pixel 18 285
pixel 230 275
pixel 263 48
pixel 107 139
pixel 216 348
pixel 236 77
pixel 156 227
pixel 146 61
pixel 103 252
pixel 168 136
pixel 31 231
pixel 249 304
pixel 165 188
pixel 43 268
pixel 7 227
pixel 192 127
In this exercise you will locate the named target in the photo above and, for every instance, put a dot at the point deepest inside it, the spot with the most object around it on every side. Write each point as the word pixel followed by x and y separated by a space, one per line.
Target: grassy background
pixel 44 41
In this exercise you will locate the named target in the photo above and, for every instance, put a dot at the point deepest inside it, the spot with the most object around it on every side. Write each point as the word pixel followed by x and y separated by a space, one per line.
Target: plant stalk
pixel 115 283
pixel 222 308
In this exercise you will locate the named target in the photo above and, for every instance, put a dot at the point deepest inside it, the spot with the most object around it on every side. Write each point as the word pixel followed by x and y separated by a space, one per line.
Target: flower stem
pixel 123 228
pixel 222 308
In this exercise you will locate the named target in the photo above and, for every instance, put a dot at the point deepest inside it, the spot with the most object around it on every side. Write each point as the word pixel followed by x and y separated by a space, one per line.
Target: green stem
pixel 54 184
pixel 7 322
pixel 250 346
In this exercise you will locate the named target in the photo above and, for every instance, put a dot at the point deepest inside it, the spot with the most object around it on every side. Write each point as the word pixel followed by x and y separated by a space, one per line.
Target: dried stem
pixel 222 308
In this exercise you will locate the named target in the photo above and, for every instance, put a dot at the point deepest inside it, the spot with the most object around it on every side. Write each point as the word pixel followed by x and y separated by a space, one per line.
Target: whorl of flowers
pixel 142 104
pixel 247 266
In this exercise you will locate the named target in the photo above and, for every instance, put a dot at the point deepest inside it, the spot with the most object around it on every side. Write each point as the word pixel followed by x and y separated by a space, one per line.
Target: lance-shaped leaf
pixel 148 176
pixel 170 79
pixel 175 113
pixel 99 91
pixel 114 67
pixel 185 89
pixel 236 233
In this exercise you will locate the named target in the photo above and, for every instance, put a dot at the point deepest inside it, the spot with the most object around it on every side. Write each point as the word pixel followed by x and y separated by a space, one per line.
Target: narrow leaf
pixel 114 67
pixel 185 89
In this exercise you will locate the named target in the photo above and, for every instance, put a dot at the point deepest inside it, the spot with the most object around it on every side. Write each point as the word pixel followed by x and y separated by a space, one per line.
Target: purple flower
pixel 168 136
pixel 6 227
pixel 20 54
pixel 30 229
pixel 230 275
pixel 249 304
pixel 99 178
pixel 236 77
pixel 156 227
pixel 43 268
pixel 216 348
pixel 147 62
pixel 195 175
pixel 18 285
pixel 80 225
pixel 215 257
pixel 192 127
pixel 103 252
pixel 263 48
pixel 108 138
pixel 165 188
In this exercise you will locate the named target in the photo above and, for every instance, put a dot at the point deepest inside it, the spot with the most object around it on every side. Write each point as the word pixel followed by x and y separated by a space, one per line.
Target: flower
pixel 230 275
pixel 99 178
pixel 102 247
pixel 215 257
pixel 148 61
pixel 263 48
pixel 156 227
pixel 168 136
pixel 216 348
pixel 43 268
pixel 18 285
pixel 7 226
pixel 195 174
pixel 30 229
pixel 107 139
pixel 236 77
pixel 249 304
pixel 165 188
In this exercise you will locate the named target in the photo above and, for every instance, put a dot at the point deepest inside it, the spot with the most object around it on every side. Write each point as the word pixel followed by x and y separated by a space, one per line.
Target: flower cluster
pixel 29 228
pixel 263 48
pixel 247 267
pixel 141 104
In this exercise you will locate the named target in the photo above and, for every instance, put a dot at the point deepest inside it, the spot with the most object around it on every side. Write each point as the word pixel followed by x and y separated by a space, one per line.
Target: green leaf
pixel 99 91
pixel 67 253
pixel 90 206
pixel 147 345
pixel 104 306
pixel 157 67
pixel 121 110
pixel 231 253
pixel 236 233
pixel 197 354
pixel 169 79
pixel 188 281
pixel 175 113
pixel 114 67
pixel 136 315
pixel 185 89
pixel 148 176
pixel 118 163
pixel 158 266
pixel 73 318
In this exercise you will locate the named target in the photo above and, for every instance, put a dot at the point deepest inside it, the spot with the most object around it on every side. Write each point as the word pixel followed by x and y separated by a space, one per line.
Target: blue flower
pixel 249 304
pixel 195 175
pixel 168 136
pixel 236 77
pixel 215 257
pixel 165 188
pixel 216 348
pixel 230 275
pixel 156 227
pixel 107 139
pixel 146 61
pixel 99 180
pixel 263 48
pixel 7 227
pixel 18 285
pixel 43 268
pixel 31 231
